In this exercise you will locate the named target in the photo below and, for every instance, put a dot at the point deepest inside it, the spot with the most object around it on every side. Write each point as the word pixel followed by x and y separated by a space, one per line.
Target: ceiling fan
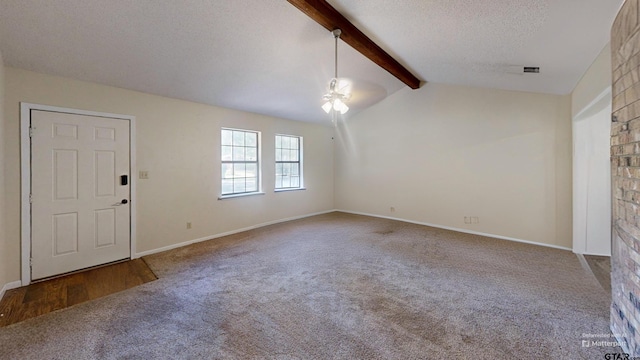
pixel 339 91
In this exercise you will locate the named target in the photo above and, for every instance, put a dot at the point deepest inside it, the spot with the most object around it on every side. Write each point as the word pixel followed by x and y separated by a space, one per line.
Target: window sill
pixel 231 196
pixel 292 189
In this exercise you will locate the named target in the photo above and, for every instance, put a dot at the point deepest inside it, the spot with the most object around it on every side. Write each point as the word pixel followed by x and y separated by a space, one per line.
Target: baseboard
pixel 9 286
pixel 593 254
pixel 210 237
pixel 458 230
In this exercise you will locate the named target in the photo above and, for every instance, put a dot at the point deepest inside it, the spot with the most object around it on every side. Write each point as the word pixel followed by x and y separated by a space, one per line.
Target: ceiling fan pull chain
pixel 336 35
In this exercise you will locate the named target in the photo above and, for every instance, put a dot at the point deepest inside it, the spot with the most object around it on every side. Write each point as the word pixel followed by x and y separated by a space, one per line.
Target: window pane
pixel 239 170
pixel 227 171
pixel 294 143
pixel 293 155
pixel 278 155
pixel 295 181
pixel 286 181
pixel 238 138
pixel 278 169
pixel 285 155
pixel 226 137
pixel 278 141
pixel 227 186
pixel 226 153
pixel 238 153
pixel 251 139
pixel 251 170
pixel 252 184
pixel 295 169
pixel 278 182
pixel 286 142
pixel 251 154
pixel 239 185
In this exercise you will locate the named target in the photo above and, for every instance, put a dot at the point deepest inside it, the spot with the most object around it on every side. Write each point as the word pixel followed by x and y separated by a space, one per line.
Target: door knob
pixel 124 201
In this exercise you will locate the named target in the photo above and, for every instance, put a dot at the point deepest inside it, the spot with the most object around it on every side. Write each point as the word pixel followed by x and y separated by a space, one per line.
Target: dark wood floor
pixel 50 295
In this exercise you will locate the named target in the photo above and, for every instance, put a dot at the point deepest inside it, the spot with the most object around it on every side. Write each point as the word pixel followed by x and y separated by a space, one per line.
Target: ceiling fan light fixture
pixel 339 106
pixel 338 88
pixel 327 107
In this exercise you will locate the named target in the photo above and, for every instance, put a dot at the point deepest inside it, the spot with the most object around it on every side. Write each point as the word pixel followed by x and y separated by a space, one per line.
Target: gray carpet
pixel 336 286
pixel 600 266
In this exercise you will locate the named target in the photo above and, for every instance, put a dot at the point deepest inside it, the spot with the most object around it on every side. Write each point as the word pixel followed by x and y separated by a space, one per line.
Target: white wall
pixel 444 152
pixel 178 144
pixel 594 81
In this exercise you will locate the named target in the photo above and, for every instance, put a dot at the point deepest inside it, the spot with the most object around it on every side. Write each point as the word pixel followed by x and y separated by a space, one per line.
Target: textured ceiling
pixel 265 56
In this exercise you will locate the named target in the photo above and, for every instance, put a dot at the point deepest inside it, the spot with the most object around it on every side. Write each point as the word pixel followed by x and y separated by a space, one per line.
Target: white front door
pixel 80 215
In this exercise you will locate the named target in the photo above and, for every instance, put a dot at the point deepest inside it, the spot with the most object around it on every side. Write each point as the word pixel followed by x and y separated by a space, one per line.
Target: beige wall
pixel 593 83
pixel 4 256
pixel 444 152
pixel 178 144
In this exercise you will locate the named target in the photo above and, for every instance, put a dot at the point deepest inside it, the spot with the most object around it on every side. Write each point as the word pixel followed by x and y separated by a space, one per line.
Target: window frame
pixel 299 162
pixel 257 162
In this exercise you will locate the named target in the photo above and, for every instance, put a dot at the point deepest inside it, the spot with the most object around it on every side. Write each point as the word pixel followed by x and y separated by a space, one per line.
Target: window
pixel 240 162
pixel 288 162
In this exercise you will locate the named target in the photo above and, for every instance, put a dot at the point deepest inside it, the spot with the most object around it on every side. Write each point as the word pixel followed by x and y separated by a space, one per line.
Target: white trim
pixel 457 229
pixel 231 196
pixel 25 177
pixel 25 190
pixel 9 286
pixel 579 240
pixel 289 189
pixel 211 237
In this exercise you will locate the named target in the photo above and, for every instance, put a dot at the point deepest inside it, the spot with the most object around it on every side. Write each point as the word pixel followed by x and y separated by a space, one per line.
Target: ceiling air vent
pixel 521 70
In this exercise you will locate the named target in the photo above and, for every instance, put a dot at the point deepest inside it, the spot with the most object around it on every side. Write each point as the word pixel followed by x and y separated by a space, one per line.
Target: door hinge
pixel 30 262
pixel 30 198
pixel 30 132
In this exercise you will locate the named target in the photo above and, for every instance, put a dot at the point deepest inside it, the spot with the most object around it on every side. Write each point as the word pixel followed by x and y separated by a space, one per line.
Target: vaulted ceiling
pixel 266 56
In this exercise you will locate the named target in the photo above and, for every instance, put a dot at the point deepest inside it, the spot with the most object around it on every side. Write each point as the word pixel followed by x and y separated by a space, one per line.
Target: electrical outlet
pixel 143 175
pixel 467 220
pixel 392 209
pixel 475 220
pixel 189 225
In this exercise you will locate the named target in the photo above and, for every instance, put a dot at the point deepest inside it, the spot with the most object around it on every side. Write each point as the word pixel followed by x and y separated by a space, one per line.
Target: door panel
pixel 65 234
pixel 105 227
pixel 78 220
pixel 65 174
pixel 105 164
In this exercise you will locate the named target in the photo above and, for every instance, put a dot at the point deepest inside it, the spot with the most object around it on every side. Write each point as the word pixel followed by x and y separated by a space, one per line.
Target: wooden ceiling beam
pixel 324 14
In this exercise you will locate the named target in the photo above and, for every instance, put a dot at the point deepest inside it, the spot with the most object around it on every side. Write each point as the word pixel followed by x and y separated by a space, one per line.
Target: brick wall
pixel 625 170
